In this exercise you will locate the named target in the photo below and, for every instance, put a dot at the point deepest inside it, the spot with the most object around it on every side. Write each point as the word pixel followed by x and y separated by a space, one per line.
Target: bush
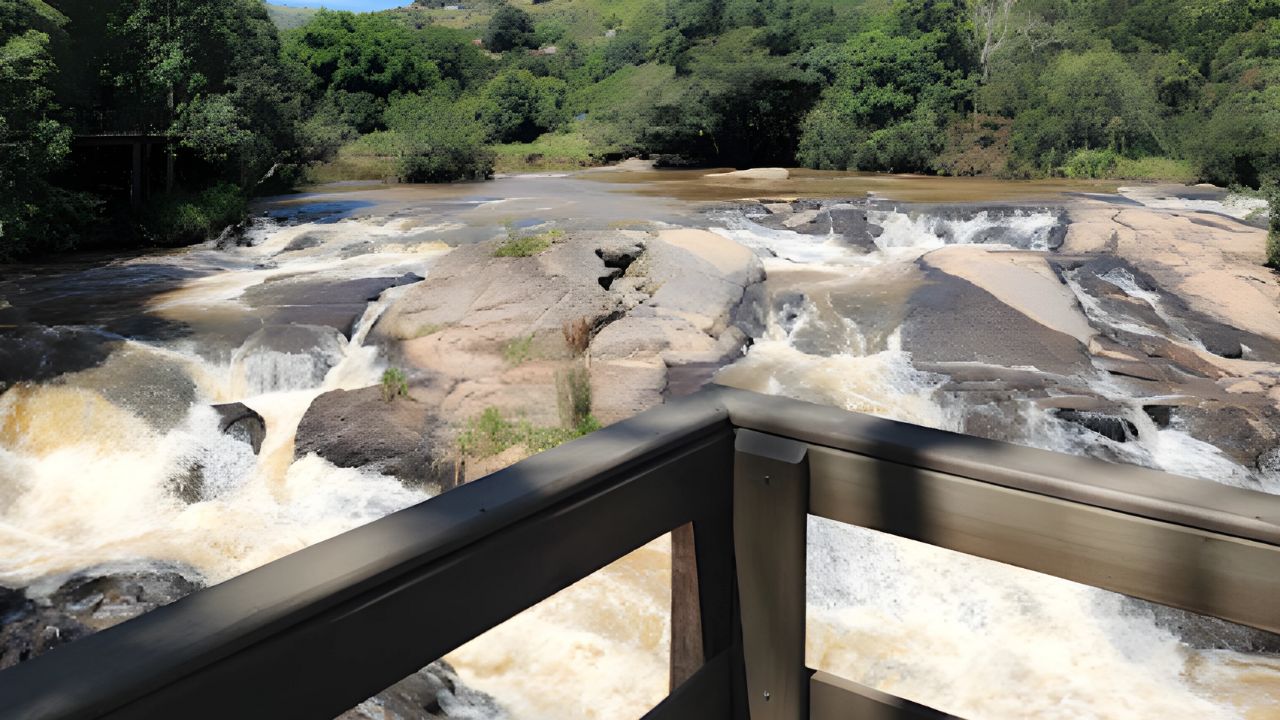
pixel 573 394
pixel 184 218
pixel 436 141
pixel 394 384
pixel 1110 165
pixel 1092 164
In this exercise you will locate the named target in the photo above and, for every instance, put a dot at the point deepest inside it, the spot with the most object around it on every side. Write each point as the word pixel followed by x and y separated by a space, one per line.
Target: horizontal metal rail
pixel 735 474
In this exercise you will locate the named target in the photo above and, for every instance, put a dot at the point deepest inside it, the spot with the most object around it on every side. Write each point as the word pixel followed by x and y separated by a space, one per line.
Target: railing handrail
pixel 660 457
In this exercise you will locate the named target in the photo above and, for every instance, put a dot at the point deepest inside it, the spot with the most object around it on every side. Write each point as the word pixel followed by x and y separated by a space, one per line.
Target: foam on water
pixel 1024 229
pixel 972 637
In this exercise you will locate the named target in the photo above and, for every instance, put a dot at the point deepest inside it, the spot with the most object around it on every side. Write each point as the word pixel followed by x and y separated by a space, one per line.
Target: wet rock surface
pixel 433 692
pixel 58 611
pixel 148 384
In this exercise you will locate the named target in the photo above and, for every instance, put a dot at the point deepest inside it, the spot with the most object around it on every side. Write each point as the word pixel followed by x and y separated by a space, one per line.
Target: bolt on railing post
pixel 770 514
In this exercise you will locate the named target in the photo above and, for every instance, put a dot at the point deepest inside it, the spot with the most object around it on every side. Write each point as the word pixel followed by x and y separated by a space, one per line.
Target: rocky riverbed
pixel 224 406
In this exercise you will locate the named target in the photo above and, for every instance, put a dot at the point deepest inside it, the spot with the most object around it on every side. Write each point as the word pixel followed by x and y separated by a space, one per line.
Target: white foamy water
pixel 83 482
pixel 86 482
pixel 969 636
pixel 1024 229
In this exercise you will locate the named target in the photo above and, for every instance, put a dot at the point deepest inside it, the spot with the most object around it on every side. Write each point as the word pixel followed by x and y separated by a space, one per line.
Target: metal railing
pixel 734 475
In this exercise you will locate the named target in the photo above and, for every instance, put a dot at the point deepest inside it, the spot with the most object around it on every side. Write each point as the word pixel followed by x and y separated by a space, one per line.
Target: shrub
pixel 573 394
pixel 577 335
pixel 394 384
pixel 1092 164
pixel 183 218
pixel 435 141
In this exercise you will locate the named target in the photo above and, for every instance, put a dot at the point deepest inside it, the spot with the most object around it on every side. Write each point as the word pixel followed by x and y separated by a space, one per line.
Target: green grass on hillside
pixel 553 151
pixel 288 18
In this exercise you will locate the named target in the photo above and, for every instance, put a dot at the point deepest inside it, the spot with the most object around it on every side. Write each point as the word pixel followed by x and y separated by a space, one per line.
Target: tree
pixel 35 215
pixel 992 23
pixel 437 140
pixel 510 28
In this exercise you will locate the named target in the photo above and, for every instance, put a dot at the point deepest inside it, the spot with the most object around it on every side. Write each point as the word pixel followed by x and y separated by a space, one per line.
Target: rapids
pixel 86 470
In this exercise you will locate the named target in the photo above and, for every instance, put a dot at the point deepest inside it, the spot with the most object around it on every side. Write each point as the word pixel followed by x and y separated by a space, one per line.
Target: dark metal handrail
pixel 734 473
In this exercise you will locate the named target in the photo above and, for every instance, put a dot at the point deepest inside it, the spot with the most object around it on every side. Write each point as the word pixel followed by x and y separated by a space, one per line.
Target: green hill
pixel 287 18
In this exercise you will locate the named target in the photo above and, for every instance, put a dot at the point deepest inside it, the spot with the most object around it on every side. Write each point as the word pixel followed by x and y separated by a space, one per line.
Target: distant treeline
pixel 1160 89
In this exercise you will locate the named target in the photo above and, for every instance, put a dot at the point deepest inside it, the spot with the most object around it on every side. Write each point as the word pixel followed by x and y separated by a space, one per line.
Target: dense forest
pixel 1185 90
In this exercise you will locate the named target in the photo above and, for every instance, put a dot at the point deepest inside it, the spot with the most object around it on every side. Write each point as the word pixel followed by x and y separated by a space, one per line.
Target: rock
pixel 754 174
pixel 147 383
pixel 286 357
pixel 778 208
pixel 434 692
pixel 700 276
pixel 801 218
pixel 306 301
pixel 484 302
pixel 233 236
pixel 623 388
pixel 1243 434
pixel 60 610
pixel 242 423
pixel 992 332
pixel 359 429
pixel 1112 427
pixel 640 335
pixel 1203 632
pixel 36 353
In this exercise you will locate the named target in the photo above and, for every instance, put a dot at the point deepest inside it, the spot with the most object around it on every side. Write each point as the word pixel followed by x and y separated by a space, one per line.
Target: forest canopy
pixel 1184 90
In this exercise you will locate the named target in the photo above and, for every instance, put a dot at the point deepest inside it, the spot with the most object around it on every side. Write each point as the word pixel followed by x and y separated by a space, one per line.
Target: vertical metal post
pixel 770 514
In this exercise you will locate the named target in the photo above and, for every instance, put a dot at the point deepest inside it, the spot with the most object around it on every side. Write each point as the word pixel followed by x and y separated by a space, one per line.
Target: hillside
pixel 288 18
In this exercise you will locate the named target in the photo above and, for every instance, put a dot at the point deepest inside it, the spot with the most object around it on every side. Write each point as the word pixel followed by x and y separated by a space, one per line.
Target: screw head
pixel 767 696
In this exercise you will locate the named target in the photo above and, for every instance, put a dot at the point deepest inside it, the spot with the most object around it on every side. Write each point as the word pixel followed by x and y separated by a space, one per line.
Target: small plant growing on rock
pixel 577 335
pixel 526 246
pixel 573 393
pixel 394 384
pixel 518 351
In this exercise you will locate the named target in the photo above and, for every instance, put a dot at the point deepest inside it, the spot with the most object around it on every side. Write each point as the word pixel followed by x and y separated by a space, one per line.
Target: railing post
pixel 770 514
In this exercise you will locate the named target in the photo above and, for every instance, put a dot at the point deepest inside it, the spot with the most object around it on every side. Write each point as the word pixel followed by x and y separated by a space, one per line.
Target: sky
pixel 357 5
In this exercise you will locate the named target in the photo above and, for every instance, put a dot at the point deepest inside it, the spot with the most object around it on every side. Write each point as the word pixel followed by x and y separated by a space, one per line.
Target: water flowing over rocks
pixel 287 357
pixel 157 388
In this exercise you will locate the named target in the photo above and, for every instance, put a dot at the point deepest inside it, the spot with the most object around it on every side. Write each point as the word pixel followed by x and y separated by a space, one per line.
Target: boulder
pixel 434 692
pixel 1112 427
pixel 40 618
pixel 359 429
pixel 35 353
pixel 486 302
pixel 286 357
pixel 149 384
pixel 305 300
pixel 242 423
pixel 992 332
pixel 1245 434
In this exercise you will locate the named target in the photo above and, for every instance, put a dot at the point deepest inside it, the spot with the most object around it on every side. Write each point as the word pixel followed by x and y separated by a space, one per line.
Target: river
pixel 968 305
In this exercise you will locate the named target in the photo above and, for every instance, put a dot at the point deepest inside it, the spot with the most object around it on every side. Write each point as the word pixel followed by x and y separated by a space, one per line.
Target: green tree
pixel 35 215
pixel 438 140
pixel 510 28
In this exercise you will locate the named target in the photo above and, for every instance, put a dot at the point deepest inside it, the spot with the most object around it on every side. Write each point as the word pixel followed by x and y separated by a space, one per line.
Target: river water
pixel 112 364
